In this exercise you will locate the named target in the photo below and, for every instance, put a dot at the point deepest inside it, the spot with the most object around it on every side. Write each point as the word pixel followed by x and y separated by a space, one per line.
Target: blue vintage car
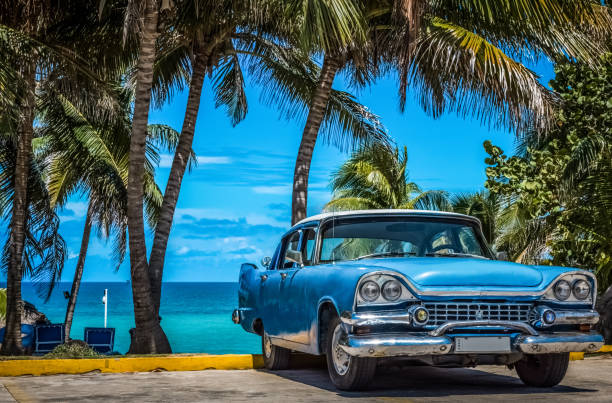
pixel 419 286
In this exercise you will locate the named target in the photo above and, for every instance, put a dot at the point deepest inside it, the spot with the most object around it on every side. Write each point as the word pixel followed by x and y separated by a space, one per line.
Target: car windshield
pixel 354 238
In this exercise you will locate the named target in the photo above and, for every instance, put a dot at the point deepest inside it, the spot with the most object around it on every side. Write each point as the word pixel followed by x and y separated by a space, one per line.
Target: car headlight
pixel 382 289
pixel 576 287
pixel 391 290
pixel 581 289
pixel 562 290
pixel 369 291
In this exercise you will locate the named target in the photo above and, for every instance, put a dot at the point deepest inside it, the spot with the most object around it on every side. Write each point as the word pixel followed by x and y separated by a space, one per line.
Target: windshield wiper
pixel 454 254
pixel 386 254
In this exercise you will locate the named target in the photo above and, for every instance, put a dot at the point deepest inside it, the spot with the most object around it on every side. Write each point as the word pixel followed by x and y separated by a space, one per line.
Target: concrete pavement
pixel 590 380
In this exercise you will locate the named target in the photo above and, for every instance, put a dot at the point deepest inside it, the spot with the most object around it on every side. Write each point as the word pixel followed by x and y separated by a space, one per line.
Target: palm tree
pixel 42 257
pixel 226 39
pixel 36 45
pixel 148 335
pixel 483 205
pixel 451 54
pixel 375 177
pixel 90 156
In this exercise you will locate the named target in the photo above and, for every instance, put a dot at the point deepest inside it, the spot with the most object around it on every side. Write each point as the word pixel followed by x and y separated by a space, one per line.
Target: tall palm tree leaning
pixel 223 38
pixel 35 47
pixel 90 155
pixel 375 177
pixel 451 55
pixel 148 335
pixel 25 99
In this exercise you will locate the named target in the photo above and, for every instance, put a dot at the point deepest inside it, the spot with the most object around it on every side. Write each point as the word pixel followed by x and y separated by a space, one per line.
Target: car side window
pixel 308 246
pixel 293 243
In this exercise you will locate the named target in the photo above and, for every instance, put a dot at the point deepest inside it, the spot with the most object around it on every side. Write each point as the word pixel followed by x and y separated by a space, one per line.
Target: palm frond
pixel 229 89
pixel 457 70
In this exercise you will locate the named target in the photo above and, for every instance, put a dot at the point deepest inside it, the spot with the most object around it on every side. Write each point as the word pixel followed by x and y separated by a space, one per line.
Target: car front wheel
pixel 274 357
pixel 542 370
pixel 346 372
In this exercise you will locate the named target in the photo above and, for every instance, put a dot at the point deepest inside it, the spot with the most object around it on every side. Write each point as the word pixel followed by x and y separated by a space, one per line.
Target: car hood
pixel 459 272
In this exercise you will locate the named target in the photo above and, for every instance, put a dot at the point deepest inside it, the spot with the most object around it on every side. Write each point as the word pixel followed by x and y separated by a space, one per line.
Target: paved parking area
pixel 588 380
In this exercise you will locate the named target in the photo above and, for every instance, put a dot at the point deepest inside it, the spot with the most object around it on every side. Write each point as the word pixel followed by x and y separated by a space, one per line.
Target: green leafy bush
pixel 73 349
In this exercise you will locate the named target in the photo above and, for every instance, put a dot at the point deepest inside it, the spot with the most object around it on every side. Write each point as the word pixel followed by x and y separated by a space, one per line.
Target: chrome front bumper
pixel 391 345
pixel 437 342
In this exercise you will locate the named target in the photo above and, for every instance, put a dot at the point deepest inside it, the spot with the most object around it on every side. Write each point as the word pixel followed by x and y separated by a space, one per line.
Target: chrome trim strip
pixel 589 317
pixel 560 343
pixel 442 329
pixel 376 318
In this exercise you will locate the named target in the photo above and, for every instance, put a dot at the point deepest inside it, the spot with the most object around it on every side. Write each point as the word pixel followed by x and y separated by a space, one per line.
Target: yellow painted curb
pixel 576 356
pixel 580 356
pixel 130 364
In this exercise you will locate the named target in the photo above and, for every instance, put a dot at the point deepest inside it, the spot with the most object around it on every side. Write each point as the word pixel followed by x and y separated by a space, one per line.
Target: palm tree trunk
pixel 179 165
pixel 309 138
pixel 147 336
pixel 78 273
pixel 11 345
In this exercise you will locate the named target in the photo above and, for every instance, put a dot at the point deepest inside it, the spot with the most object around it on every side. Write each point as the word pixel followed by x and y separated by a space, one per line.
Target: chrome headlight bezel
pixel 381 279
pixel 571 279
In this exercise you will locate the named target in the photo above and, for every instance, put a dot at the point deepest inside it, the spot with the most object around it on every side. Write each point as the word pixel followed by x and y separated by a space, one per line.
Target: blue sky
pixel 234 206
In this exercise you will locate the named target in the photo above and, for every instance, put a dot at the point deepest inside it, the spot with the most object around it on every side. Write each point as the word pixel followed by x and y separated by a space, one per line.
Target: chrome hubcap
pixel 267 345
pixel 340 358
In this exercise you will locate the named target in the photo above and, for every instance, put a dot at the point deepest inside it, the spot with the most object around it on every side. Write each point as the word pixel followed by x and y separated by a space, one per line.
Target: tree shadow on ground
pixel 425 381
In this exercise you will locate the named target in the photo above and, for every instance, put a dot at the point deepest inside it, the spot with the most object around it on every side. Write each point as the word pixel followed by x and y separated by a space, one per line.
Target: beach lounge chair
pixel 27 335
pixel 101 339
pixel 47 337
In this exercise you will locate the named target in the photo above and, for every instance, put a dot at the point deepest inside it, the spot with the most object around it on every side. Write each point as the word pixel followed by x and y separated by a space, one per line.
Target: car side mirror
pixel 266 261
pixel 502 255
pixel 294 256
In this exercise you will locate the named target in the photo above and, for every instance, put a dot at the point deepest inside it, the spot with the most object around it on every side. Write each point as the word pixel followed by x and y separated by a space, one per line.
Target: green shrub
pixel 73 349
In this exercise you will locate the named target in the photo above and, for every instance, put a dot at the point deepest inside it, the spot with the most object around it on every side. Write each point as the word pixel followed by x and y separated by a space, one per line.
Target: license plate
pixel 484 344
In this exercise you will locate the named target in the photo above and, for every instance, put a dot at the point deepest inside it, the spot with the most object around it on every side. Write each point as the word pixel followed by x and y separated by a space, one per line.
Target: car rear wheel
pixel 542 370
pixel 274 357
pixel 346 372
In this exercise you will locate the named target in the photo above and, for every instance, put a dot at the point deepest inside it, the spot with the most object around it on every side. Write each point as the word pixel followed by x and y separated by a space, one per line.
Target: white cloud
pixel 79 210
pixel 165 160
pixel 183 250
pixel 260 219
pixel 272 190
pixel 214 160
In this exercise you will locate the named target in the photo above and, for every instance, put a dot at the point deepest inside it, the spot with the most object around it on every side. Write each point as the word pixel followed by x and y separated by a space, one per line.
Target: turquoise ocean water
pixel 195 316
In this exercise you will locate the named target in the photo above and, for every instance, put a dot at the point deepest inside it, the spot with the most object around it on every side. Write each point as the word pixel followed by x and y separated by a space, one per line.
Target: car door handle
pixel 264 277
pixel 283 276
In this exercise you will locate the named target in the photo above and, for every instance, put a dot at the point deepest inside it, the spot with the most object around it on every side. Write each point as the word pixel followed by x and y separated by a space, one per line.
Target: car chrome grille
pixel 440 313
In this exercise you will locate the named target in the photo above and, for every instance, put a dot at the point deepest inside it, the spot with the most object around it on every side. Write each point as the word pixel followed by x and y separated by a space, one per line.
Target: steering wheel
pixel 444 246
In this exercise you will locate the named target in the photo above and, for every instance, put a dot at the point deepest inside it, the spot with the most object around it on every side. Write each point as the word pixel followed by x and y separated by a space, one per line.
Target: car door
pixel 293 304
pixel 273 324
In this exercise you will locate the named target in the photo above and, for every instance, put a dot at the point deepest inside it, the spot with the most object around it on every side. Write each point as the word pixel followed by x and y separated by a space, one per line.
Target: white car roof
pixel 323 216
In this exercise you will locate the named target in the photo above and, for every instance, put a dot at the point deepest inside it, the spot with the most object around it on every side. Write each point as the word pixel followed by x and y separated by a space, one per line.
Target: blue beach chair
pixel 101 339
pixel 47 337
pixel 27 335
